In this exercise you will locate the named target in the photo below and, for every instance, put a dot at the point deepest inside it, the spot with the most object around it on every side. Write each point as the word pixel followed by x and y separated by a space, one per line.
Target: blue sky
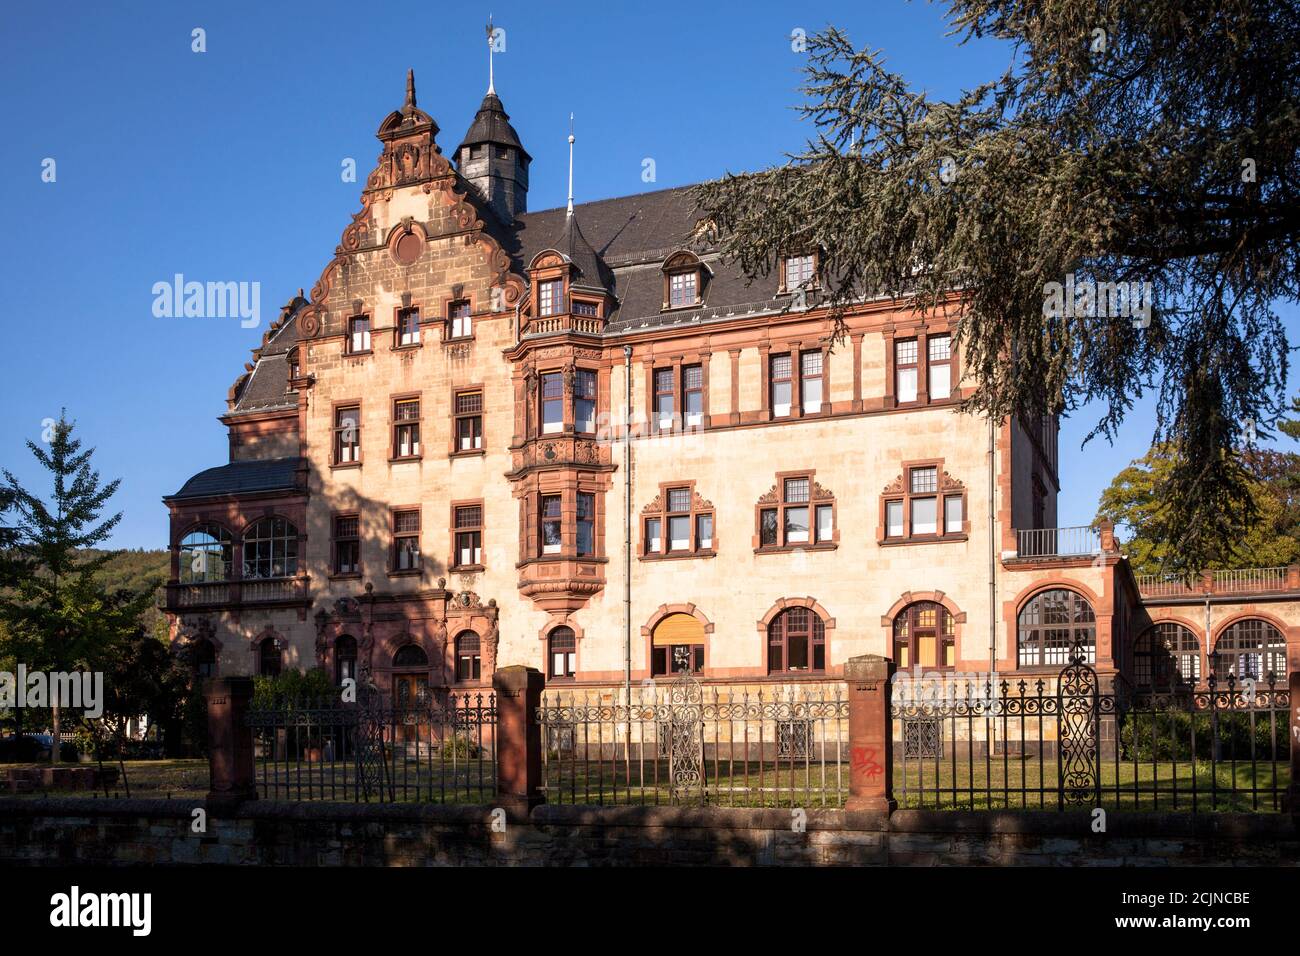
pixel 225 166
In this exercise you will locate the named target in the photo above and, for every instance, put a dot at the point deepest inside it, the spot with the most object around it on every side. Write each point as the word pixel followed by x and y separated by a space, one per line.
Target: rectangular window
pixel 952 514
pixel 825 523
pixel 469 536
pixel 653 531
pixel 469 421
pixel 406 428
pixel 468 657
pixel 347 544
pixel 665 398
pixel 811 382
pixel 586 524
pixel 359 333
pixel 551 524
pixel 406 540
pixel 552 403
pixel 550 297
pixel 586 309
pixel 347 435
pixel 905 370
pixel 767 523
pixel 704 532
pixel 459 322
pixel 408 327
pixel 940 350
pixel 798 270
pixel 782 384
pixel 693 394
pixel 924 516
pixel 894 519
pixel 563 649
pixel 925 480
pixel 584 402
pixel 682 289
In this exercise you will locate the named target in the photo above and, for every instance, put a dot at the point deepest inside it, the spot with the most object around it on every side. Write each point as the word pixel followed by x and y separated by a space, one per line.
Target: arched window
pixel 1250 648
pixel 924 636
pixel 1166 656
pixel 796 642
pixel 468 659
pixel 1052 625
pixel 677 645
pixel 345 658
pixel 410 655
pixel 270 660
pixel 205 659
pixel 561 653
pixel 271 549
pixel 206 555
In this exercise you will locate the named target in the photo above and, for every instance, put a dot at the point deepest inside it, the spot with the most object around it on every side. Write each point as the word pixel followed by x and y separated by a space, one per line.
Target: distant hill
pixel 136 569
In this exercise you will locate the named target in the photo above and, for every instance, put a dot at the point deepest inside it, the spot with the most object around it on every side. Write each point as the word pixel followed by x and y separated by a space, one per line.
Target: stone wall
pixel 127 832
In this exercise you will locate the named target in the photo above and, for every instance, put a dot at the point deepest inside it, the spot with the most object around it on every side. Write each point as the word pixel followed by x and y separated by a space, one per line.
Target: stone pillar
pixel 1293 728
pixel 519 738
pixel 871 736
pixel 230 741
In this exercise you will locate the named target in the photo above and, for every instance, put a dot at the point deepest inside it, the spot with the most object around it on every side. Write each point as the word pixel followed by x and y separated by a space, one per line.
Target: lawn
pixel 148 779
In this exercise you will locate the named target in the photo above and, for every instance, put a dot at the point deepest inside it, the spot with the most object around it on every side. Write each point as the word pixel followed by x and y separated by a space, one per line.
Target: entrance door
pixel 410 703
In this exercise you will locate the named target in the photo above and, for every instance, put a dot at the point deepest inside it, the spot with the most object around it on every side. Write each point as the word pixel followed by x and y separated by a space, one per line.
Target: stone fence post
pixel 230 741
pixel 519 738
pixel 871 734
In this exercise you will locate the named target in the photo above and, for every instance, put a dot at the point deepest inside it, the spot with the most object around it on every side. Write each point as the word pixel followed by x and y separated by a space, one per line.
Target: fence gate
pixel 1077 717
pixel 685 737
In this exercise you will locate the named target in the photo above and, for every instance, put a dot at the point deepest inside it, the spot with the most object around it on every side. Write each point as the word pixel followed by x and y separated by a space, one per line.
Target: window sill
pixel 787 548
pixel 393 459
pixel 407 573
pixel 467 568
pixel 927 539
pixel 362 354
pixel 407 348
pixel 457 339
pixel 346 576
pixel 679 555
pixel 806 672
pixel 345 464
pixel 471 453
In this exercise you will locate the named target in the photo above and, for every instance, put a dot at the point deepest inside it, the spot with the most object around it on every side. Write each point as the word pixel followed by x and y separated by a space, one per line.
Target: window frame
pixel 339 430
pixel 398 537
pixel 336 539
pixel 813 278
pixel 406 424
pixel 1157 667
pixel 570 669
pixel 543 401
pixel 944 632
pixel 776 501
pixel 400 315
pixel 350 333
pixel 1039 659
pixel 659 510
pixel 900 492
pixel 291 540
pixel 460 653
pixel 222 542
pixel 815 633
pixel 457 529
pixel 550 305
pixel 458 418
pixel 922 337
pixel 1224 660
pixel 450 320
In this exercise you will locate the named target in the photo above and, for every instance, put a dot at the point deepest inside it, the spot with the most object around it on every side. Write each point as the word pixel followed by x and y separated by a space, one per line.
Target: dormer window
pixel 799 271
pixel 295 369
pixel 550 297
pixel 588 309
pixel 683 280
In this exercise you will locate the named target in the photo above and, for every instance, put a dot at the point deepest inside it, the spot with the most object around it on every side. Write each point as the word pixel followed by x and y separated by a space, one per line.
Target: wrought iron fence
pixel 425 750
pixel 1062 742
pixel 682 743
pixel 1057 542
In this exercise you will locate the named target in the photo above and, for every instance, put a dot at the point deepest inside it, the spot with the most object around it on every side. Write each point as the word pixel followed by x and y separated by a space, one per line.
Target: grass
pixel 182 779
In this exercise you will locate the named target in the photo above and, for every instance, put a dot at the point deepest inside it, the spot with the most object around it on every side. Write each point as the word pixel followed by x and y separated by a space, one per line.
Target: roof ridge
pixel 597 202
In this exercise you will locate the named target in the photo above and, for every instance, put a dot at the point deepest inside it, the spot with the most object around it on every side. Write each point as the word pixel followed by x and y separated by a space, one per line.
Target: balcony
pixel 1236 581
pixel 565 322
pixel 1080 542
pixel 261 591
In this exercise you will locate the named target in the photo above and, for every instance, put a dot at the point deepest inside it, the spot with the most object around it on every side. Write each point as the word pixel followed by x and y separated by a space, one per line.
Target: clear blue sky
pixel 225 166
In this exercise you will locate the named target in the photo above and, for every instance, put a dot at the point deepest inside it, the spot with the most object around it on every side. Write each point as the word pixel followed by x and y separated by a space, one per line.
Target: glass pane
pixel 907 384
pixel 781 392
pixel 905 352
pixel 796 490
pixel 924 516
pixel 924 480
pixel 584 413
pixel 652 529
pixel 767 527
pixel 704 532
pixel 825 523
pixel 940 348
pixel 894 519
pixel 812 395
pixel 694 407
pixel 796 525
pixel 679 532
pixel 798 652
pixel 952 514
pixel 940 381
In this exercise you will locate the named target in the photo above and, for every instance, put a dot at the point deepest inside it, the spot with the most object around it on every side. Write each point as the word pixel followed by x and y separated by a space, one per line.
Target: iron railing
pixel 1062 742
pixel 682 743
pixel 1057 542
pixel 1234 581
pixel 423 750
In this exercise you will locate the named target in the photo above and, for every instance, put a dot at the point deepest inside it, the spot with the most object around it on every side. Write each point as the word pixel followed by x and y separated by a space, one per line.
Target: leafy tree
pixel 1133 503
pixel 1129 142
pixel 60 616
pixel 1291 426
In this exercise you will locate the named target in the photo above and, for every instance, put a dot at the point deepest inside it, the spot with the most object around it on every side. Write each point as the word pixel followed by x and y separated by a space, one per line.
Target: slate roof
pixel 492 125
pixel 242 477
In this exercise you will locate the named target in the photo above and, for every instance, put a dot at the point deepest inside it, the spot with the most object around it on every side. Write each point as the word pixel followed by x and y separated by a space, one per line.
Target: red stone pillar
pixel 519 738
pixel 871 737
pixel 230 741
pixel 1293 728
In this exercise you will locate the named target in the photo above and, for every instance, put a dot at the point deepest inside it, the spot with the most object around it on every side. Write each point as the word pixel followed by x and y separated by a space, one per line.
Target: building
pixel 429 476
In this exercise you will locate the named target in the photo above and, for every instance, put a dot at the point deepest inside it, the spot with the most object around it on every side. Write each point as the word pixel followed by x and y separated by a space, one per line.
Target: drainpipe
pixel 993 557
pixel 627 535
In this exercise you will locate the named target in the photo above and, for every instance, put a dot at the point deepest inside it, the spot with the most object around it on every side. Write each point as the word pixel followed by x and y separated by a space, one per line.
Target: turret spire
pixel 571 140
pixel 490 38
pixel 410 89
